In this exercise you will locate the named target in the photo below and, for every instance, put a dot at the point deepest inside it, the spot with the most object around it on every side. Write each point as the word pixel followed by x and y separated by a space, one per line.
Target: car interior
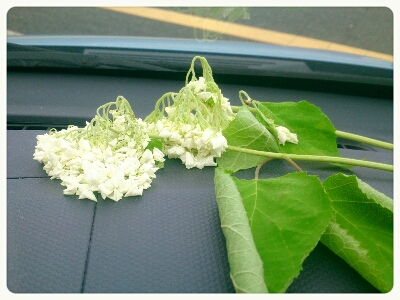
pixel 169 240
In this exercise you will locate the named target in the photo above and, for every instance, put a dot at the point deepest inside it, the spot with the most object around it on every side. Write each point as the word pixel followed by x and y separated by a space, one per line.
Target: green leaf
pixel 315 132
pixel 362 229
pixel 247 132
pixel 245 264
pixel 156 143
pixel 287 216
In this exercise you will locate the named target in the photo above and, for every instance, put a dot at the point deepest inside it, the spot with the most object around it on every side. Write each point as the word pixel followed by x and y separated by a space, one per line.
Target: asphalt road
pixel 369 28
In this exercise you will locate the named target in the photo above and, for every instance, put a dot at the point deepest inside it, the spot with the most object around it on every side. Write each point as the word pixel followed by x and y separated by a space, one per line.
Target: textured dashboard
pixel 169 240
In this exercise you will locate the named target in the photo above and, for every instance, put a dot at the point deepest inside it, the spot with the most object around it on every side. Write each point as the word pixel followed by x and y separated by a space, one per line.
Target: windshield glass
pixel 365 31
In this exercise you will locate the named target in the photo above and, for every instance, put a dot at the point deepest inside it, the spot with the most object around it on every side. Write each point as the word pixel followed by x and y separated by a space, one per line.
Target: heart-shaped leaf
pixel 315 132
pixel 286 215
pixel 247 132
pixel 362 229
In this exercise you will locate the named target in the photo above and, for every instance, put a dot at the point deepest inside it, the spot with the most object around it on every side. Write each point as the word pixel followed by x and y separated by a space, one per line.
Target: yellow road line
pixel 10 32
pixel 243 31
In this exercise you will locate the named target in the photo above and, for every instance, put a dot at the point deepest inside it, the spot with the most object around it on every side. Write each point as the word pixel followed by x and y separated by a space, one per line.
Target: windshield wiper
pixel 173 56
pixel 32 56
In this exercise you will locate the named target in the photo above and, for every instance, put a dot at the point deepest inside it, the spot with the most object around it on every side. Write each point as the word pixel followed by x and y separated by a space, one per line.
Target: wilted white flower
pixel 190 122
pixel 195 147
pixel 284 135
pixel 112 159
pixel 198 85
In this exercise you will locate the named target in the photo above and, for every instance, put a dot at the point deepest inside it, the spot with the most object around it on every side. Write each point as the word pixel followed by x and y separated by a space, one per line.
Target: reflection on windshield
pixel 365 31
pixel 227 14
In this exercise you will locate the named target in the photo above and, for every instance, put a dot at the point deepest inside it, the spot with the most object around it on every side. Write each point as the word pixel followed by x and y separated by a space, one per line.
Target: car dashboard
pixel 169 240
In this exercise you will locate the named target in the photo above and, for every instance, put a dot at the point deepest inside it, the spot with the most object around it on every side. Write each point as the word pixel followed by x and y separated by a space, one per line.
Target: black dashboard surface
pixel 170 239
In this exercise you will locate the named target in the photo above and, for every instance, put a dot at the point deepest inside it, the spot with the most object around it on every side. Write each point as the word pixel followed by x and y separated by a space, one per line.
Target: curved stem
pixel 257 171
pixel 294 165
pixel 319 158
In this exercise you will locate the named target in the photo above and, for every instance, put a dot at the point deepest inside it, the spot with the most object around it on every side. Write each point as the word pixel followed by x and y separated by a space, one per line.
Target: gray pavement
pixel 369 28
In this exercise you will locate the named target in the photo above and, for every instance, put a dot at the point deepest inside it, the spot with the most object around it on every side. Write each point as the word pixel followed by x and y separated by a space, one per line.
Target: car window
pixel 364 31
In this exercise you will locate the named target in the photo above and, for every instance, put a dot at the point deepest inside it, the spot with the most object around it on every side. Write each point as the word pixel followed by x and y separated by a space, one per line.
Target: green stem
pixel 345 135
pixel 154 136
pixel 319 158
pixel 363 139
pixel 236 108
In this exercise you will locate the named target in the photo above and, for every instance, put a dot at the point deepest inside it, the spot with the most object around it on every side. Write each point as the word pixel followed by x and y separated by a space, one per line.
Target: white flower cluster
pixel 195 147
pixel 284 135
pixel 119 169
pixel 191 130
pixel 199 88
